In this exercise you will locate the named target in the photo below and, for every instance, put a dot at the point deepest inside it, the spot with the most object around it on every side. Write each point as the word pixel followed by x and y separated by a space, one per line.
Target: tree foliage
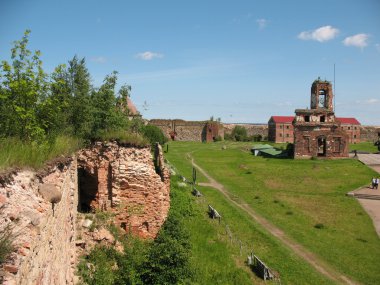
pixel 239 133
pixel 38 107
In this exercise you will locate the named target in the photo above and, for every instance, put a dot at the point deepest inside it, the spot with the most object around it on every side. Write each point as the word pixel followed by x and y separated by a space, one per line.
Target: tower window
pixel 322 119
pixel 307 118
pixel 322 99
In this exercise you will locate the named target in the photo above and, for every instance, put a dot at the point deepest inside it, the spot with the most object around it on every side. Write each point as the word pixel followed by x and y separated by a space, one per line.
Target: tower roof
pixel 132 108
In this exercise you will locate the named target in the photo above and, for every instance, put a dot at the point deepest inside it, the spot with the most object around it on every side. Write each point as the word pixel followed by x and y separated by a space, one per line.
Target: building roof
pixel 131 107
pixel 271 151
pixel 351 121
pixel 283 119
pixel 261 146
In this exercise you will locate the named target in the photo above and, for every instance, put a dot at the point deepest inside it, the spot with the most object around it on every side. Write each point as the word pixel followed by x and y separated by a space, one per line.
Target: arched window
pixel 322 98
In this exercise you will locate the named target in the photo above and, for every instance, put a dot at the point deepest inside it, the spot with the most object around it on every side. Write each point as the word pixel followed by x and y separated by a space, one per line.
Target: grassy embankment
pixel 15 153
pixel 305 198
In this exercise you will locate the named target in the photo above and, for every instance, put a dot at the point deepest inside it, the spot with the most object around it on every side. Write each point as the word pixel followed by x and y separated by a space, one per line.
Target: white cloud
pixel 359 40
pixel 370 101
pixel 148 55
pixel 321 34
pixel 99 59
pixel 262 23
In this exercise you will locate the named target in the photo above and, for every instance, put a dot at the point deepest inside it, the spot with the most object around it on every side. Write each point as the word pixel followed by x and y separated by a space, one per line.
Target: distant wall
pixel 182 130
pixel 369 133
pixel 252 129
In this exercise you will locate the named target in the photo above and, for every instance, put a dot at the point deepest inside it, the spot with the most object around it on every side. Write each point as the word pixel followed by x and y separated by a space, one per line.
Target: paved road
pixel 372 207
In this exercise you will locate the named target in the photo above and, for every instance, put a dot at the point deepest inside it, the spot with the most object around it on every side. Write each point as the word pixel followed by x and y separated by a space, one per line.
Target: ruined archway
pixel 88 190
pixel 321 150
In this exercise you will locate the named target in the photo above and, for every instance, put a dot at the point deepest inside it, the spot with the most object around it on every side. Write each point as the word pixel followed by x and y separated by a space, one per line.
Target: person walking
pixel 377 182
pixel 373 182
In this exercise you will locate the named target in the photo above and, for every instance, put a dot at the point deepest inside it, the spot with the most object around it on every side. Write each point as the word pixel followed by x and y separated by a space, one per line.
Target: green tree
pixel 239 133
pixel 104 104
pixel 23 87
pixel 55 110
pixel 81 114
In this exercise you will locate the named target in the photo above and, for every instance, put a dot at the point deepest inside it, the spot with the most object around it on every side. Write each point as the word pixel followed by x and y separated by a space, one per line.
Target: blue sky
pixel 242 61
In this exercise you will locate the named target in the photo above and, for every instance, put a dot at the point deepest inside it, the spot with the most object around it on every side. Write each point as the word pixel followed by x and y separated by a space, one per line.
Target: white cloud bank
pixel 359 40
pixel 321 34
pixel 148 55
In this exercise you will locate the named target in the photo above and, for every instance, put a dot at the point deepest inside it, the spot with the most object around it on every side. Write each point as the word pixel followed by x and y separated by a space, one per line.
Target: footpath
pixel 370 198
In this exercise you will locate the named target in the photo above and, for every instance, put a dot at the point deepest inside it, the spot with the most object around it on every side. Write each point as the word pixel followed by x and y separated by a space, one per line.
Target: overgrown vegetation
pixel 17 153
pixel 6 238
pixel 166 260
pixel 45 115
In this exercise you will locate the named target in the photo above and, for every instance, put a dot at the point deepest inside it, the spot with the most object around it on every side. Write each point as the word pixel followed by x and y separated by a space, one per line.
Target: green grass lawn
pixel 364 146
pixel 305 198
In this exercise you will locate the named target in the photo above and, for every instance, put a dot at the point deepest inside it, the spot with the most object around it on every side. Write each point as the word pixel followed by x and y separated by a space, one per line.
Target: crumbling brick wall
pixel 44 234
pixel 128 186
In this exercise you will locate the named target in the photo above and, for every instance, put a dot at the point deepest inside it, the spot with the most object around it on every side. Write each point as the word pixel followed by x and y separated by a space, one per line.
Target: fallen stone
pixel 3 199
pixel 10 268
pixel 87 223
pixel 103 234
pixel 50 193
pixel 80 243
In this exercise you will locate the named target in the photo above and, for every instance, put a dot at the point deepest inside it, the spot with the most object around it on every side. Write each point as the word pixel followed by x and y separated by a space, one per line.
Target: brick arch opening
pixel 321 150
pixel 88 190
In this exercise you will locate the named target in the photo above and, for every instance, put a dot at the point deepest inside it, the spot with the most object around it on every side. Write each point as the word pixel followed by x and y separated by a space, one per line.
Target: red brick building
pixel 317 133
pixel 352 127
pixel 280 129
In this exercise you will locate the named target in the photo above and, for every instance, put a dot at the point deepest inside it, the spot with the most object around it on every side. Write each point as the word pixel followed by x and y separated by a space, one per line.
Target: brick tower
pixel 316 131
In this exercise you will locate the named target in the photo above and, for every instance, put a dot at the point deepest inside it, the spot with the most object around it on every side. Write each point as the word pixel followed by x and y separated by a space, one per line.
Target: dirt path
pixel 308 256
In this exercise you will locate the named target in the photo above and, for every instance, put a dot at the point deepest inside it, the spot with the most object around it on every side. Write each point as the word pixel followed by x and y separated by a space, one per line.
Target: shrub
pixel 154 134
pixel 239 133
pixel 319 226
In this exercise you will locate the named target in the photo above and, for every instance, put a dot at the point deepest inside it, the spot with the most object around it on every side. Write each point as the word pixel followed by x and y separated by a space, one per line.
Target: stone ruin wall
pixel 185 130
pixel 252 129
pixel 45 236
pixel 128 186
pixel 369 133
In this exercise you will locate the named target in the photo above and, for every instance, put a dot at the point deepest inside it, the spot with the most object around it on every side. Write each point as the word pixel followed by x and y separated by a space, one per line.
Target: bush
pixel 239 133
pixel 154 134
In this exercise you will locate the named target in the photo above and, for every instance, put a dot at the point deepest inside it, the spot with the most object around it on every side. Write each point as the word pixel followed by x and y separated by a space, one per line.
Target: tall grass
pixel 123 137
pixel 15 153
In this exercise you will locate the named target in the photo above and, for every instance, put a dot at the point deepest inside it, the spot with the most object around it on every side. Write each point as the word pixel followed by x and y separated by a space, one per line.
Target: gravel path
pixel 372 207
